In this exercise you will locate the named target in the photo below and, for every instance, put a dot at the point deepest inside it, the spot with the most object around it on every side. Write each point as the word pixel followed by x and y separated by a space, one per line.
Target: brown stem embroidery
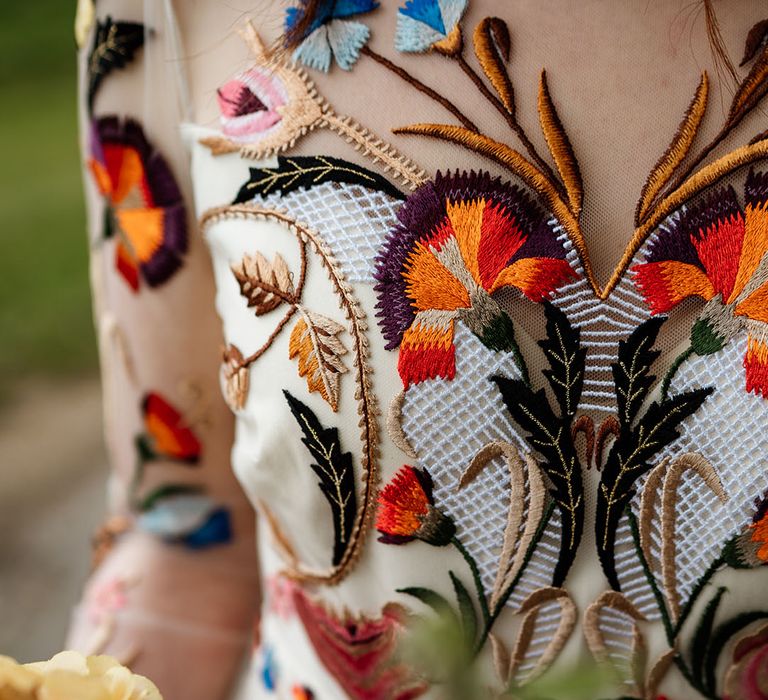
pixel 421 87
pixel 367 401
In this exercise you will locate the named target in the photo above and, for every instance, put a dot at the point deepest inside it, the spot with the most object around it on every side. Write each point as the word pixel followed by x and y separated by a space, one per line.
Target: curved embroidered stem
pixel 672 371
pixel 379 151
pixel 476 576
pixel 511 120
pixel 669 628
pixel 367 401
pixel 248 361
pixel 421 87
pixel 505 596
pixel 292 300
pixel 706 577
pixel 686 173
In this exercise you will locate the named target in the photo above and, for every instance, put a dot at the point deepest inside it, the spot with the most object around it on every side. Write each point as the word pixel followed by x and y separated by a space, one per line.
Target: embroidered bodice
pixel 494 300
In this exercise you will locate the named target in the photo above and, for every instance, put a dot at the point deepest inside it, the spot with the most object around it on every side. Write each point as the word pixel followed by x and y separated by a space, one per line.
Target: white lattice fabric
pixel 354 220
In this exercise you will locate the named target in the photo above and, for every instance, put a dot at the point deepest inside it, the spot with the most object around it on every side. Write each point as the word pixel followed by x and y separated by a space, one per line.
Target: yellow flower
pixel 72 676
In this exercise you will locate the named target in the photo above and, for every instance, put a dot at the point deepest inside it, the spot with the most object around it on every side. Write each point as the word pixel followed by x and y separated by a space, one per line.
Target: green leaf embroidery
pixel 703 633
pixel 466 610
pixel 431 599
pixel 334 469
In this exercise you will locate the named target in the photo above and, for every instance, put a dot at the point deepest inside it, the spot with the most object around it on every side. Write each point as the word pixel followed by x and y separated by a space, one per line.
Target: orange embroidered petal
pixel 143 228
pixel 502 238
pixel 756 366
pixel 755 306
pixel 127 266
pixel 760 536
pixel 126 173
pixel 431 285
pixel 535 277
pixel 665 284
pixel 100 176
pixel 467 222
pixel 755 245
pixel 165 426
pixel 719 249
pixel 406 511
pixel 426 353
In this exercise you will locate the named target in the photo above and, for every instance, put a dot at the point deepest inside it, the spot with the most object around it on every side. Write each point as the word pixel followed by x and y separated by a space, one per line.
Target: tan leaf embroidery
pixel 615 639
pixel 662 484
pixel 535 650
pixel 264 284
pixel 314 341
pixel 236 378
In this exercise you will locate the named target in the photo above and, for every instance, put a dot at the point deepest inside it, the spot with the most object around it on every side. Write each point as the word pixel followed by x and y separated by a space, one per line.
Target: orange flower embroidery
pixel 719 252
pixel 407 511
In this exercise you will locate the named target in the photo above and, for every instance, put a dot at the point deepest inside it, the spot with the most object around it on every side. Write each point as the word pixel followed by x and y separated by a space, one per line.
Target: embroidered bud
pixel 704 339
pixel 715 327
pixel 166 434
pixel 749 549
pixel 407 511
pixel 452 44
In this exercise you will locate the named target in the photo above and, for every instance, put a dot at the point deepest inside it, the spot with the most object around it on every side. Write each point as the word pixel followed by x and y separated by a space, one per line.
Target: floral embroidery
pixel 749 548
pixel 144 207
pixel 430 24
pixel 360 652
pixel 747 676
pixel 178 512
pixel 407 511
pixel 114 46
pixel 250 104
pixel 266 296
pixel 463 237
pixel 459 240
pixel 719 252
pixel 301 692
pixel 166 435
pixel 329 33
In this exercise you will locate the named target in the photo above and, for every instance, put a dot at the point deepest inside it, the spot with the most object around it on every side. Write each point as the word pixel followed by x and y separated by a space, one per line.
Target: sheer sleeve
pixel 174 587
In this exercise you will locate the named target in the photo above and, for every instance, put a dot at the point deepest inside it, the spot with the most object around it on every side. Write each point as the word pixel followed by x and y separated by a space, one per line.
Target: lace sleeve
pixel 174 588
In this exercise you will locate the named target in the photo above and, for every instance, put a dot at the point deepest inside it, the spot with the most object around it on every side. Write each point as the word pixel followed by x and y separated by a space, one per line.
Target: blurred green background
pixel 52 463
pixel 45 320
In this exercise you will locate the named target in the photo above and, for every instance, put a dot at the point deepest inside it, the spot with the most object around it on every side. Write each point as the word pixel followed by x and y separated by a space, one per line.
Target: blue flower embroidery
pixel 331 34
pixel 429 24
